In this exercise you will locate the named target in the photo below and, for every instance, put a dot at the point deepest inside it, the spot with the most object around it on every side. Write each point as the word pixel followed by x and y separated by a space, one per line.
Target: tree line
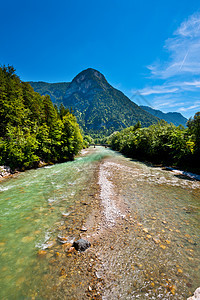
pixel 32 129
pixel 162 143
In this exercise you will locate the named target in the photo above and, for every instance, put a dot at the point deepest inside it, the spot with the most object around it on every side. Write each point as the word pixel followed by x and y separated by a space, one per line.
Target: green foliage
pixel 99 108
pixel 55 90
pixel 88 140
pixel 170 117
pixel 161 143
pixel 31 128
pixel 194 130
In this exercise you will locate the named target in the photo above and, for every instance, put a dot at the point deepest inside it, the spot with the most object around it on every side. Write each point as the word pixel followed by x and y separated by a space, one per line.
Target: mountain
pixel 98 107
pixel 55 90
pixel 171 117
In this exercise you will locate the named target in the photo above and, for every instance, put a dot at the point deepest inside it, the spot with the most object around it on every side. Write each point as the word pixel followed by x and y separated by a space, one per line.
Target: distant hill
pixel 55 90
pixel 171 117
pixel 99 108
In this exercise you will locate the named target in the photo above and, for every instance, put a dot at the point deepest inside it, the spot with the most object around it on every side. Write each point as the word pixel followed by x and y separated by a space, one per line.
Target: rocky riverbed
pixel 130 254
pixel 140 224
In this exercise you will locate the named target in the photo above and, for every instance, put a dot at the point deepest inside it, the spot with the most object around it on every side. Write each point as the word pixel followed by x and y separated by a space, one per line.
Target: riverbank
pixel 124 243
pixel 100 217
pixel 6 172
pixel 136 218
pixel 185 174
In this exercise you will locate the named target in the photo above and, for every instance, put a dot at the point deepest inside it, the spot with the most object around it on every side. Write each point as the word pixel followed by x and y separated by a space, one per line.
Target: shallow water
pixel 31 209
pixel 158 256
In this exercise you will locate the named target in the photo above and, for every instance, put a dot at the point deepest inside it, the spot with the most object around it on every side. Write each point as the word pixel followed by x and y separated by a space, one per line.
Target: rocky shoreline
pixel 104 220
pixel 101 217
pixel 5 172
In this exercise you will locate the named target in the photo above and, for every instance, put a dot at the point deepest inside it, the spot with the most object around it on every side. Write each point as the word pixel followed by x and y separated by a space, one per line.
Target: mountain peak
pixel 89 74
pixel 100 108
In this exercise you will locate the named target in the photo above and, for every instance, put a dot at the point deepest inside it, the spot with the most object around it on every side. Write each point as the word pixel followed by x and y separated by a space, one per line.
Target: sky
pixel 150 50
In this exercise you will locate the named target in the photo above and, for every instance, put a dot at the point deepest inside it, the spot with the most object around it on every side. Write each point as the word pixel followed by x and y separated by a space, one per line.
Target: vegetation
pixel 170 117
pixel 162 143
pixel 31 128
pixel 56 91
pixel 99 108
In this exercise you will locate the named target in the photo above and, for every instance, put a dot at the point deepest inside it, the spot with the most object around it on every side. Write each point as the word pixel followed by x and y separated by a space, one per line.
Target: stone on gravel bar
pixel 196 295
pixel 81 245
pixel 83 228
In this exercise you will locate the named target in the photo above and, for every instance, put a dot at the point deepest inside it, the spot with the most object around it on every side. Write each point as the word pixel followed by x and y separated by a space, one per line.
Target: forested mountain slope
pixel 99 108
pixel 170 117
pixel 55 90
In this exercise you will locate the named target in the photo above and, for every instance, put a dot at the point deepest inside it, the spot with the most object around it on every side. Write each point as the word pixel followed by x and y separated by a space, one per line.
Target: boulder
pixel 81 245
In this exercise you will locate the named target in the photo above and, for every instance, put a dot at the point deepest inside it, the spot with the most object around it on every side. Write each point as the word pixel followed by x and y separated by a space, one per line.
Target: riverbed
pixel 143 224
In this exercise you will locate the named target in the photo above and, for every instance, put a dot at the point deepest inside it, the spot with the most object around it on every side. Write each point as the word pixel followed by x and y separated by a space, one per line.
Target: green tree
pixel 31 127
pixel 194 129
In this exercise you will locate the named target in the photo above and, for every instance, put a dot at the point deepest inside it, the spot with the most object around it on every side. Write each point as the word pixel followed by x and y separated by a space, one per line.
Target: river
pixel 143 224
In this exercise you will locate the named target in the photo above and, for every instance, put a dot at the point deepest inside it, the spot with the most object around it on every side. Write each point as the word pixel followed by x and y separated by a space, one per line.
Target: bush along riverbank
pixel 32 129
pixel 162 143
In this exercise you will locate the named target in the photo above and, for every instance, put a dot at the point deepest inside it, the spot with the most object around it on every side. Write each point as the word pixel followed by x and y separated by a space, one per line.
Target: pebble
pixel 71 249
pixel 41 253
pixel 83 228
pixel 156 241
pixel 180 271
pixel 62 239
pixel 62 272
pixel 27 239
pixel 162 246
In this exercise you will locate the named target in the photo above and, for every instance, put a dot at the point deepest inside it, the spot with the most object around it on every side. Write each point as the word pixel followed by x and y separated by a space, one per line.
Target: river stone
pixel 81 245
pixel 196 295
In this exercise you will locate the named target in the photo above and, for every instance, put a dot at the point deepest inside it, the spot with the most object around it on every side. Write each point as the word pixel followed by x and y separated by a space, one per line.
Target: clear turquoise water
pixel 164 208
pixel 31 208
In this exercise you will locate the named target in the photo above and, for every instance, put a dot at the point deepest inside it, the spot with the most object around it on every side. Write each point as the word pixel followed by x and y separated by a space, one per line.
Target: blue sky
pixel 150 47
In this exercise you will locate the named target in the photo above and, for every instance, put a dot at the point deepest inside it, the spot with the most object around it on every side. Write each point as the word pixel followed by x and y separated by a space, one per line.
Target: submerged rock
pixel 81 245
pixel 41 253
pixel 196 295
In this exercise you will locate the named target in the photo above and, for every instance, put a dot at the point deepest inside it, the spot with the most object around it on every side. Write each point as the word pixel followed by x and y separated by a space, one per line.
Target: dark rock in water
pixel 81 245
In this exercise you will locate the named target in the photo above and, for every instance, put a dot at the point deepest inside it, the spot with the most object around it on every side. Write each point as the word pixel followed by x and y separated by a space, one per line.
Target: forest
pixel 32 129
pixel 162 143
